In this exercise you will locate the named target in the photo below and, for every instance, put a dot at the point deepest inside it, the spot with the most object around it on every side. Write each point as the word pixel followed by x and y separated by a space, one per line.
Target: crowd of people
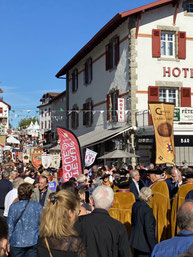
pixel 117 212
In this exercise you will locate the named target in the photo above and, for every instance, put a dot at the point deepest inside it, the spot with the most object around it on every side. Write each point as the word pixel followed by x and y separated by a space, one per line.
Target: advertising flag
pixel 70 152
pixel 89 157
pixel 163 116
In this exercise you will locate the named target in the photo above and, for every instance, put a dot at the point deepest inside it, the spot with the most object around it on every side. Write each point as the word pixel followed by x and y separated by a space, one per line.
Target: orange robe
pixel 177 202
pixel 122 208
pixel 160 205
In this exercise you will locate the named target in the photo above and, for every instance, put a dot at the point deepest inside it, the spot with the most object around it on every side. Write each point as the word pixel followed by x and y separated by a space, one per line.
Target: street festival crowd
pixel 106 211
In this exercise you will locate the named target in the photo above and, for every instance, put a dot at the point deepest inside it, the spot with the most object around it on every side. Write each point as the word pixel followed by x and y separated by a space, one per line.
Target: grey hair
pixel 103 197
pixel 145 194
pixel 81 178
pixel 133 173
pixel 185 216
pixel 16 183
pixel 5 174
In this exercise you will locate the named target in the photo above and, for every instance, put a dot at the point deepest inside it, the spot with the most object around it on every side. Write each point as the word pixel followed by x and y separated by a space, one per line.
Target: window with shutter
pixel 181 45
pixel 112 53
pixel 156 43
pixel 88 71
pixel 88 113
pixel 153 94
pixel 75 80
pixel 75 117
pixel 108 107
pixel 84 114
pixel 186 97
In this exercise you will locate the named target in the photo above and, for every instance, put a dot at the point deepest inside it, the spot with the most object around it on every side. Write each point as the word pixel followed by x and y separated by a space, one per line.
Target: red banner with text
pixel 70 152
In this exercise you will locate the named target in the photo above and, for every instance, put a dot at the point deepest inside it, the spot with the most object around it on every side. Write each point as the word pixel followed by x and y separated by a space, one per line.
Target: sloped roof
pixel 9 106
pixel 107 29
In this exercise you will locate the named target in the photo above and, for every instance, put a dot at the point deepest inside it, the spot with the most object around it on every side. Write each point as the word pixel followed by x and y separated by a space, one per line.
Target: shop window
pixel 164 44
pixel 112 106
pixel 168 95
pixel 75 80
pixel 75 117
pixel 88 71
pixel 88 113
pixel 112 53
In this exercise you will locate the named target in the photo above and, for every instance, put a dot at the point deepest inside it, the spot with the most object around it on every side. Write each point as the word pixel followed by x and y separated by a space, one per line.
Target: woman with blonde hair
pixel 57 235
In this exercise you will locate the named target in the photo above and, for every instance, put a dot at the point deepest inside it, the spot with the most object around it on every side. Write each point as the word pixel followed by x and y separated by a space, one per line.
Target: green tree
pixel 24 123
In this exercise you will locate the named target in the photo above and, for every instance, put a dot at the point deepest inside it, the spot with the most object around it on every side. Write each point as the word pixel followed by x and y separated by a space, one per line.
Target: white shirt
pixel 9 198
pixel 136 184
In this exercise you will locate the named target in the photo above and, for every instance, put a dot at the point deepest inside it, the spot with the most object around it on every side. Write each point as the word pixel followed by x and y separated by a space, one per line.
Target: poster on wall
pixel 70 152
pixel 163 116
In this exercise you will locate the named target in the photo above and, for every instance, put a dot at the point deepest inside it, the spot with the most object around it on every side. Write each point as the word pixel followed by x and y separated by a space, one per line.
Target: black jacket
pixel 143 227
pixel 103 236
pixel 133 189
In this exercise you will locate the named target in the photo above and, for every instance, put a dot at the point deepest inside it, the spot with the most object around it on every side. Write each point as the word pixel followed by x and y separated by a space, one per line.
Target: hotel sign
pixel 183 114
pixel 177 72
pixel 121 110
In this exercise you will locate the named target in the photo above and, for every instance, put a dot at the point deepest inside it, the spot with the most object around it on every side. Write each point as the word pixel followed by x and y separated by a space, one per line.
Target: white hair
pixel 145 194
pixel 133 173
pixel 81 178
pixel 103 197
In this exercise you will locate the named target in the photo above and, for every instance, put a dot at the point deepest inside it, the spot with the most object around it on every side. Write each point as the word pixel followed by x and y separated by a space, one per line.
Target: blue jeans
pixel 30 251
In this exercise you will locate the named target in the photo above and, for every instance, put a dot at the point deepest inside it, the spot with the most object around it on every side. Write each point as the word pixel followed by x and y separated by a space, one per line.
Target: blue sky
pixel 38 37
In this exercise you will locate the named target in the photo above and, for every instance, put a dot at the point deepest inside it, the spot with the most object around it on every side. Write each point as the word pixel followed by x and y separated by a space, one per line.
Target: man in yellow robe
pixel 180 198
pixel 123 201
pixel 160 203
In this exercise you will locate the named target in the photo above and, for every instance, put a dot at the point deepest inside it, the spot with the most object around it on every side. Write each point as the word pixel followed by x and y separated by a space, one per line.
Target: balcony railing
pixel 183 115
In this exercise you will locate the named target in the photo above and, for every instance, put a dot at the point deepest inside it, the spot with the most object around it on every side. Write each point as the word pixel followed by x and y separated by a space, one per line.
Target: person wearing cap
pixel 123 201
pixel 105 179
pixel 180 198
pixel 160 203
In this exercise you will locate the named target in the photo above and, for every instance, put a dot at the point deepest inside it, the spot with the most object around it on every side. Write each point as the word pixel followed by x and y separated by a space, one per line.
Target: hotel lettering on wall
pixel 177 72
pixel 121 110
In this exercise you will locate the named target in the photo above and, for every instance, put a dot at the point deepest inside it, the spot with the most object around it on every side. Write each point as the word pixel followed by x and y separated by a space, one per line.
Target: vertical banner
pixel 46 160
pixel 163 116
pixel 70 151
pixel 55 161
pixel 89 157
pixel 121 110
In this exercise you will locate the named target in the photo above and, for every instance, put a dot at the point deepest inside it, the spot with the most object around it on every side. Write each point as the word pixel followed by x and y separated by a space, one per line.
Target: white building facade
pixel 141 55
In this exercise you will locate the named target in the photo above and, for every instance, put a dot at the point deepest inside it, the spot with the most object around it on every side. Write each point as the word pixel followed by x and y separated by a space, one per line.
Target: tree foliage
pixel 24 123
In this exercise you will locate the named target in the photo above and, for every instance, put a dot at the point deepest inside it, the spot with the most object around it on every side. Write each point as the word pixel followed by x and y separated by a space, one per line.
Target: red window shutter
pixel 186 97
pixel 116 51
pixel 107 54
pixel 156 43
pixel 108 106
pixel 181 45
pixel 84 114
pixel 153 94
